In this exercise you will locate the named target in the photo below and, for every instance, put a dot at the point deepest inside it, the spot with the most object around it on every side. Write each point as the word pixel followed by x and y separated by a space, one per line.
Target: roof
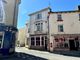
pixel 66 11
pixel 40 11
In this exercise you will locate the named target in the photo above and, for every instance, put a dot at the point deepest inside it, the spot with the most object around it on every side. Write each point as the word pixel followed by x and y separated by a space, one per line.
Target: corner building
pixel 64 30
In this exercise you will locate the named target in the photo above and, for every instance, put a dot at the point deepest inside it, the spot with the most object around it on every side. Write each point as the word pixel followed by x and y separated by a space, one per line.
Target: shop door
pixel 72 44
pixel 45 44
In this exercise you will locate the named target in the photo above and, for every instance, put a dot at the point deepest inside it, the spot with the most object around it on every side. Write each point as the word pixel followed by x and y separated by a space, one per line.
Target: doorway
pixel 72 44
pixel 1 39
pixel 45 44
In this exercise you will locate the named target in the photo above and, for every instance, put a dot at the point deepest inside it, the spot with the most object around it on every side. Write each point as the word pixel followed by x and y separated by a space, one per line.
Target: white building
pixel 54 30
pixel 64 30
pixel 38 29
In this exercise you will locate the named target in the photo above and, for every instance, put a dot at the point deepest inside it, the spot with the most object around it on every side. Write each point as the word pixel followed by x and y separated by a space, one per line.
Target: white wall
pixel 11 12
pixel 71 23
pixel 43 20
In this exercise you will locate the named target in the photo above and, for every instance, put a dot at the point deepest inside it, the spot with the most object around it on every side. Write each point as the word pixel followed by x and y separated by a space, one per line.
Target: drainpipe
pixel 48 29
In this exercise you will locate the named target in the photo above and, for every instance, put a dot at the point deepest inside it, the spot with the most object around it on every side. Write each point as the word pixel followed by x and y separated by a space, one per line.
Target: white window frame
pixel 59 28
pixel 40 26
pixel 59 17
pixel 38 16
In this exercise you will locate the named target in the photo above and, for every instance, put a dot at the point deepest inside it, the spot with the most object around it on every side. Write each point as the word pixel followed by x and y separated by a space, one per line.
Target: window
pixel 42 40
pixel 79 17
pixel 39 26
pixel 37 40
pixel 59 16
pixel 60 28
pixel 32 41
pixel 0 41
pixel 39 16
pixel 66 45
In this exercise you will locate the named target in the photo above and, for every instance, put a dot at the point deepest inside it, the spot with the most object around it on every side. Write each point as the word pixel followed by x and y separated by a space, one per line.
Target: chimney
pixel 79 7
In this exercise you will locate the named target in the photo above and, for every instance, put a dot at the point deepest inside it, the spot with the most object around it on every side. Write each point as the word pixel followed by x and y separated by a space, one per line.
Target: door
pixel 1 39
pixel 45 42
pixel 72 44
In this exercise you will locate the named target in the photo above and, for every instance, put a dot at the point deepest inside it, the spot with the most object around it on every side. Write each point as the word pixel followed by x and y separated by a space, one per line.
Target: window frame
pixel 39 26
pixel 59 17
pixel 39 16
pixel 37 41
pixel 60 28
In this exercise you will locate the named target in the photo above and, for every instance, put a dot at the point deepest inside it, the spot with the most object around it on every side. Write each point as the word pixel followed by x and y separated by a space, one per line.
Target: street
pixel 23 53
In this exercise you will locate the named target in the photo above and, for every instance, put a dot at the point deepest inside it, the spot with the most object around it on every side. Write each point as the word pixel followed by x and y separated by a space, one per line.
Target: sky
pixel 29 6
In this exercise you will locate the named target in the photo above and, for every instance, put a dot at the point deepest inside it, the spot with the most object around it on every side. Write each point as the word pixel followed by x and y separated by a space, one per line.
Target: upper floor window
pixel 39 26
pixel 59 17
pixel 60 28
pixel 39 16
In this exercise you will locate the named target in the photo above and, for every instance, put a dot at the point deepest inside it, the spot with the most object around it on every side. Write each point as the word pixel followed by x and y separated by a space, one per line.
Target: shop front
pixel 67 42
pixel 7 39
pixel 38 42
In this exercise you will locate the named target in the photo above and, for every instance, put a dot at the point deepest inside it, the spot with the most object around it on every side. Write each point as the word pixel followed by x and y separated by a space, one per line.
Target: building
pixel 8 25
pixel 38 29
pixel 21 37
pixel 27 34
pixel 64 30
pixel 54 30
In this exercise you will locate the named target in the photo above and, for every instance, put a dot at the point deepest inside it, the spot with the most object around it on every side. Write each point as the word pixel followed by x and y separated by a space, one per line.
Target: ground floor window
pixel 66 45
pixel 42 40
pixel 62 43
pixel 37 40
pixel 32 41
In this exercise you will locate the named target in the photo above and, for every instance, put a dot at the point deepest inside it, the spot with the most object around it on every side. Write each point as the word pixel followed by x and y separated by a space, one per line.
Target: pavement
pixel 23 53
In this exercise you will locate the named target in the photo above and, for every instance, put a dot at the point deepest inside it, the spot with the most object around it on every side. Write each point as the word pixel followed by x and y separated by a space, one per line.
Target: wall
pixel 71 23
pixel 11 12
pixel 22 36
pixel 43 20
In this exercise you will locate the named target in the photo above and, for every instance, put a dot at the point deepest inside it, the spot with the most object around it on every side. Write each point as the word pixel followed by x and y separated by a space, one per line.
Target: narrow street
pixel 23 53
pixel 45 55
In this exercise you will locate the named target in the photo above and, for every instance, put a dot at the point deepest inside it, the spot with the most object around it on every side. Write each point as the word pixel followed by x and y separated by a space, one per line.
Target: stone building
pixel 54 30
pixel 64 30
pixel 38 29
pixel 8 25
pixel 21 37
